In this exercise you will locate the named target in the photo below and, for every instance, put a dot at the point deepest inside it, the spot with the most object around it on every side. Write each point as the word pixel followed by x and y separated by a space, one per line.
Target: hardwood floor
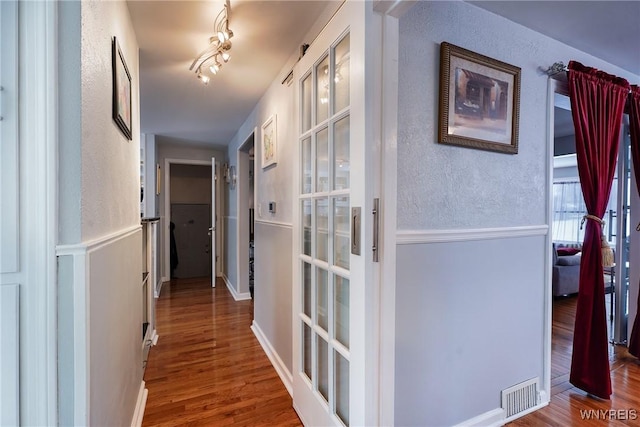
pixel 569 403
pixel 208 368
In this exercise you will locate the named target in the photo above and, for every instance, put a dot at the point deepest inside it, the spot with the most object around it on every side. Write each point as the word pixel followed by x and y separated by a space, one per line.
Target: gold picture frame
pixel 479 101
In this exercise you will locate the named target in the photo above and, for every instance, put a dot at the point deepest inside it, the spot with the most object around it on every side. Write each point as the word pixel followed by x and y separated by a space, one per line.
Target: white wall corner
pixel 237 296
pixel 276 361
pixel 141 403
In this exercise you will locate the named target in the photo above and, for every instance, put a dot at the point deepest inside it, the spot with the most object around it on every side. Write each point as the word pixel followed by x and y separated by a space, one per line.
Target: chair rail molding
pixel 417 237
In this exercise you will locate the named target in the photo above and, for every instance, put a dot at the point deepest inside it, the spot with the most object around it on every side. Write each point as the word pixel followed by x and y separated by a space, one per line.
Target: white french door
pixel 329 285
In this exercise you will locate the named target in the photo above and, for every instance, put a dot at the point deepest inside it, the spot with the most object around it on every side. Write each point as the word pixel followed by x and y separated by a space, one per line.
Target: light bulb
pixel 204 78
pixel 221 36
pixel 225 56
pixel 214 68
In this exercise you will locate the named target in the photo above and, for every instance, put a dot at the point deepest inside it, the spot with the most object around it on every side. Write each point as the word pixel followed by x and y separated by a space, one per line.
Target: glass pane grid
pixel 323 164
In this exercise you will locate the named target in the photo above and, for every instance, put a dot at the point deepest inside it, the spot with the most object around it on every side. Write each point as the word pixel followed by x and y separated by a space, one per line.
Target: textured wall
pixel 99 196
pixel 110 190
pixel 441 186
pixel 473 294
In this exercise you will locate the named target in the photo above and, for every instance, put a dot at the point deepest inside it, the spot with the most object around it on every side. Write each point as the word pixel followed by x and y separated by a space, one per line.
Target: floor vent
pixel 520 397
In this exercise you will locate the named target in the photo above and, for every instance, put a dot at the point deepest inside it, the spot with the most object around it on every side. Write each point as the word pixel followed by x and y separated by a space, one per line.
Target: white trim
pixel 97 243
pixel 141 403
pixel 276 361
pixel 493 418
pixel 38 136
pixel 158 288
pixel 417 237
pixel 273 223
pixel 388 220
pixel 235 294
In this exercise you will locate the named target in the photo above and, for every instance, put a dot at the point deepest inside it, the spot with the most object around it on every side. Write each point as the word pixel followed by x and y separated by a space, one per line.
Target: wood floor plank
pixel 208 368
pixel 568 403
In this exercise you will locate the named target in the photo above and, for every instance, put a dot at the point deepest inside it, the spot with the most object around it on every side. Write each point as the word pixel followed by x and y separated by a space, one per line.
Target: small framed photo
pixel 479 101
pixel 269 143
pixel 121 91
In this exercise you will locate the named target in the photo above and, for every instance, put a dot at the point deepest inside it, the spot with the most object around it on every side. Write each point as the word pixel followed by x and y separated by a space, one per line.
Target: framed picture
pixel 269 143
pixel 479 101
pixel 121 91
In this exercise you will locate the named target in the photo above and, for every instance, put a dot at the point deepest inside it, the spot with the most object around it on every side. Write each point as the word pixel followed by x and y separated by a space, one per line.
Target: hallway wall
pixel 452 322
pixel 273 261
pixel 100 250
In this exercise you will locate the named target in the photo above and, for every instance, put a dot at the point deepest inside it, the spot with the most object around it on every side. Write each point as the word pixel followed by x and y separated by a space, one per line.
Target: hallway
pixel 208 368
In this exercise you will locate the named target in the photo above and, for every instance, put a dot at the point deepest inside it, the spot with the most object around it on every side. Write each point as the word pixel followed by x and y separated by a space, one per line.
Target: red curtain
pixel 597 104
pixel 634 124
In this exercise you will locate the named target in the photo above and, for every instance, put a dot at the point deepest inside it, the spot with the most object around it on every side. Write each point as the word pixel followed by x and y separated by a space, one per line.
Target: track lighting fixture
pixel 217 52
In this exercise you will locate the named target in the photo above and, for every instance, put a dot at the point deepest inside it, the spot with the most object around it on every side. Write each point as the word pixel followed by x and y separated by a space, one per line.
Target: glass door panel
pixel 322 90
pixel 341 74
pixel 323 307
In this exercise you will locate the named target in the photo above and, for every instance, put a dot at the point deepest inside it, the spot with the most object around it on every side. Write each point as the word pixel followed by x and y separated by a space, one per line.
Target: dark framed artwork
pixel 121 91
pixel 479 101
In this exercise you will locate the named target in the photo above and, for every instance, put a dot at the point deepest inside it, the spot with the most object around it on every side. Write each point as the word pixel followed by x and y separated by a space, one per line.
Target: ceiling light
pixel 217 52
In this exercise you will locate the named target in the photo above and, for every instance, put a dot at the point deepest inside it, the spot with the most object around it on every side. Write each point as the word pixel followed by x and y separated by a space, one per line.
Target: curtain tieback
pixel 593 218
pixel 607 252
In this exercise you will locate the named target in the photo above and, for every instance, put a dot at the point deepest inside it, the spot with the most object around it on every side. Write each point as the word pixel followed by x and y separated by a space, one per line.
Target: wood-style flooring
pixel 568 402
pixel 208 369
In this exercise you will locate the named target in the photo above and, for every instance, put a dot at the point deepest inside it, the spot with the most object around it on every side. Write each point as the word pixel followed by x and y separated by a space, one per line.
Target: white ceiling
pixel 175 103
pixel 609 30
pixel 171 34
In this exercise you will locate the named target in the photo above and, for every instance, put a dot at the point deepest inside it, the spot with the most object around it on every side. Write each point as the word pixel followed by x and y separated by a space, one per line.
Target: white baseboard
pixel 138 414
pixel 276 361
pixel 493 418
pixel 158 288
pixel 497 417
pixel 232 290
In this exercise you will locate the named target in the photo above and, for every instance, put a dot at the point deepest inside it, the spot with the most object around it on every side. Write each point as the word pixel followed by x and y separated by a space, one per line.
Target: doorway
pixel 567 210
pixel 189 182
pixel 246 204
pixel 190 216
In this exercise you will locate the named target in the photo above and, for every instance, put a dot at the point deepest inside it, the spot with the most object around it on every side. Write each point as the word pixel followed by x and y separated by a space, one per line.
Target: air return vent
pixel 520 397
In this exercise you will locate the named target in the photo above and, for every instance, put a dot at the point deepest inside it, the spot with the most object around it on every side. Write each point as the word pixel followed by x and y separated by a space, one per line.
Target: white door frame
pixel 242 215
pixel 388 14
pixel 36 270
pixel 166 271
pixel 553 87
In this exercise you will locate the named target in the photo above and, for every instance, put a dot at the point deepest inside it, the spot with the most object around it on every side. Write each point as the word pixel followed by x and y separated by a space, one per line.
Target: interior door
pixel 214 221
pixel 329 385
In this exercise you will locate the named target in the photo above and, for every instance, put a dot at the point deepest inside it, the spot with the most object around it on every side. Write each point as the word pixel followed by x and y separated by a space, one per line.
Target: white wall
pixel 466 294
pixel 100 310
pixel 272 290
